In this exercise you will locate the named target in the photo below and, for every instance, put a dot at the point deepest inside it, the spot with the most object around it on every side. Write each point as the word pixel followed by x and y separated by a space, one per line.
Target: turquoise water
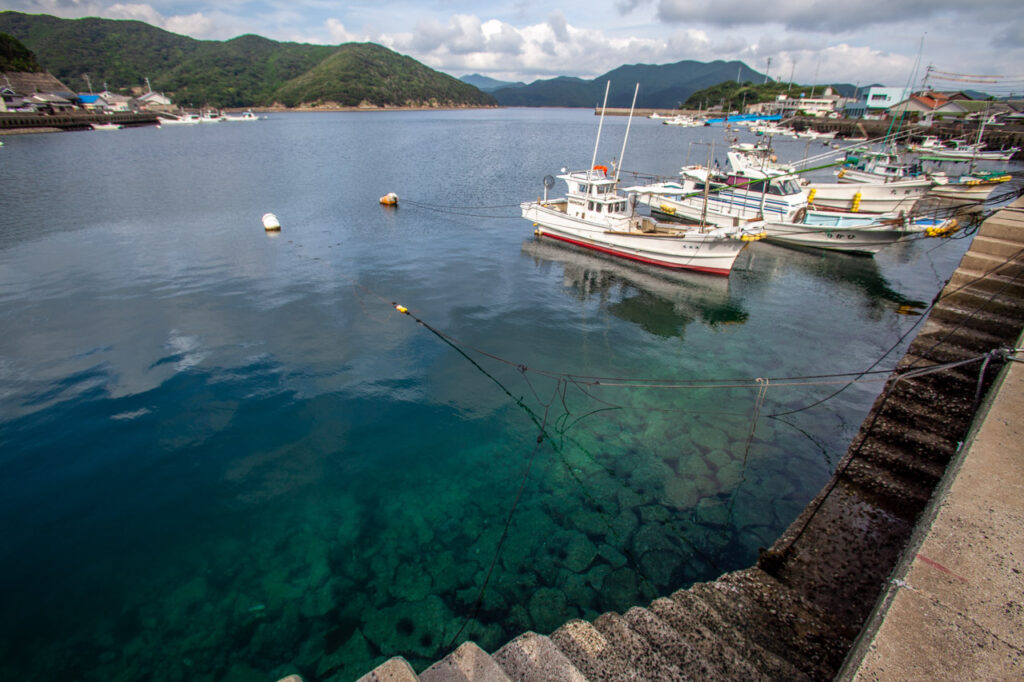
pixel 224 454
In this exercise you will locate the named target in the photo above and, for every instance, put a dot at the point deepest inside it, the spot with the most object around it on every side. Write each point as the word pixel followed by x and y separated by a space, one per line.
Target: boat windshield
pixel 784 186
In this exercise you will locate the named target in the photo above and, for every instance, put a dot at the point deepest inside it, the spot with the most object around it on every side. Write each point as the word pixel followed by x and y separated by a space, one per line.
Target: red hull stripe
pixel 651 261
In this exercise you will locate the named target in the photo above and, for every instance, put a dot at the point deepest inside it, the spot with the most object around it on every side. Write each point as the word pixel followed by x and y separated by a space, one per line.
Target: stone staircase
pixel 745 625
pixel 797 613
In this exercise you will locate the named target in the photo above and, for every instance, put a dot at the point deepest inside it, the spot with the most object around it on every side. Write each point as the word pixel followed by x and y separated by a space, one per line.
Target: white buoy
pixel 270 222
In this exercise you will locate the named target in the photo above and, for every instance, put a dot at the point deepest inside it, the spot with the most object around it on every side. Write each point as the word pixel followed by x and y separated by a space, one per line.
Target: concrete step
pixel 591 652
pixel 395 669
pixel 956 334
pixel 985 281
pixel 1004 226
pixel 944 382
pixel 672 646
pixel 914 444
pixel 809 633
pixel 982 319
pixel 940 343
pixel 1010 307
pixel 901 494
pixel 717 654
pixel 717 617
pixel 948 418
pixel 997 247
pixel 902 463
pixel 535 658
pixel 1011 266
pixel 648 663
pixel 468 663
pixel 744 617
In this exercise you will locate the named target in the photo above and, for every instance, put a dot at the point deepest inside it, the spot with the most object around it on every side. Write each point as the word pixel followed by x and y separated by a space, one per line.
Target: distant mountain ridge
pixel 488 84
pixel 662 86
pixel 245 71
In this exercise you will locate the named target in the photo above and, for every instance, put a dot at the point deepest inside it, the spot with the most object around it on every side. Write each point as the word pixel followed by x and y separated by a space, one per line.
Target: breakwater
pixel 18 121
pixel 796 614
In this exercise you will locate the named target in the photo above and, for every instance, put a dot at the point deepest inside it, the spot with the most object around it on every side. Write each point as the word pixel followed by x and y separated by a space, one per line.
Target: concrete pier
pixel 878 579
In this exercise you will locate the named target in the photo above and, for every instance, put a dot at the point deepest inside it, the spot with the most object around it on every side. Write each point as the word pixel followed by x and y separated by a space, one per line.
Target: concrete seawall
pixel 798 613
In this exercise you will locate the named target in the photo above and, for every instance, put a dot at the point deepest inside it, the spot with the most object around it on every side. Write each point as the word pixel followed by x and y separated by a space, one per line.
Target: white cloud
pixel 198 25
pixel 138 12
pixel 832 17
pixel 338 32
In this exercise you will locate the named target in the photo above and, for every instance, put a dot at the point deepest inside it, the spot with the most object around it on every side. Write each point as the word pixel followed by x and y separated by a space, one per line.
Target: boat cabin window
pixel 784 187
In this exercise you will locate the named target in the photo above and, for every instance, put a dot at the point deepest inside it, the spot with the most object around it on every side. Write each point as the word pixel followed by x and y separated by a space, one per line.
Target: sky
pixel 890 42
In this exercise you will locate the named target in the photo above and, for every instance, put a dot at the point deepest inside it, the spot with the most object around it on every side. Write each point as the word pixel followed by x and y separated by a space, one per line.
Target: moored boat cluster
pixel 702 219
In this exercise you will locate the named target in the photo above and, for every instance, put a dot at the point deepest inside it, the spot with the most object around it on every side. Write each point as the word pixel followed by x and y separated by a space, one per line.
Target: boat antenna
pixel 600 123
pixel 622 155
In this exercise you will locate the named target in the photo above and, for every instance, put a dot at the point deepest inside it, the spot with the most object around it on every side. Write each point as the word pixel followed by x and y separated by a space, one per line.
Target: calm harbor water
pixel 225 456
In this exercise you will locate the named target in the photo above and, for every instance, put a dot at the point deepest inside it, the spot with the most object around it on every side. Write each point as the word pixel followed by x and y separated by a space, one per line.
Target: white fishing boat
pixel 868 197
pixel 595 215
pixel 810 134
pixel 726 199
pixel 974 187
pixel 929 143
pixel 972 152
pixel 244 116
pixel 839 232
pixel 211 117
pixel 106 126
pixel 866 165
pixel 683 121
pixel 183 119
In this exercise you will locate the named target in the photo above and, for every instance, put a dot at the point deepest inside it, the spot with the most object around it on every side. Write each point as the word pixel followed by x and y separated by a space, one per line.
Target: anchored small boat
pixel 106 126
pixel 244 116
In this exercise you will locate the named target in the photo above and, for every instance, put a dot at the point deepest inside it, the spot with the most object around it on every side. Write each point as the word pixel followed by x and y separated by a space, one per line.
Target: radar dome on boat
pixel 270 222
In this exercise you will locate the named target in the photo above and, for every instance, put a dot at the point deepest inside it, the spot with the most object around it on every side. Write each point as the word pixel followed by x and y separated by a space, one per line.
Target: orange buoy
pixel 389 199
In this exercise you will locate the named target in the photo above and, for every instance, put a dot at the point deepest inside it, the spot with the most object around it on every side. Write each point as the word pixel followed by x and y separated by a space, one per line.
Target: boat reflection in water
pixel 661 302
pixel 860 276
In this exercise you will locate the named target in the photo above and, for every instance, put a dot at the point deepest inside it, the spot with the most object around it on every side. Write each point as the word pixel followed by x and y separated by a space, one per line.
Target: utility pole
pixel 767 69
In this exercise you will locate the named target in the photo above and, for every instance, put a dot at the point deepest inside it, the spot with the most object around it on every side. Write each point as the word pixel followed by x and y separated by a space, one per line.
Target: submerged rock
pixel 579 553
pixel 548 610
pixel 416 628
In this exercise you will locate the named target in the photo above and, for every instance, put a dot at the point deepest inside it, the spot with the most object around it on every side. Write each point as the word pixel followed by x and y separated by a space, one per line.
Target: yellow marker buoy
pixel 271 223
pixel 389 199
pixel 402 309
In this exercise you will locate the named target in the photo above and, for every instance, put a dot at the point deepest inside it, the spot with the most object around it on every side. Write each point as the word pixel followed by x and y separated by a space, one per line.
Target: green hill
pixel 245 71
pixel 662 86
pixel 16 57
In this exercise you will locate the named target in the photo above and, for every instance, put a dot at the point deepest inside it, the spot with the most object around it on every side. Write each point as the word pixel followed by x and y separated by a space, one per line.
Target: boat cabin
pixel 593 196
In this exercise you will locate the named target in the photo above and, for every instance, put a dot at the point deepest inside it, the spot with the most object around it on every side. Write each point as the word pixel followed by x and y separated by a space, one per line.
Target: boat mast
pixel 622 155
pixel 707 185
pixel 600 123
pixel 977 143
